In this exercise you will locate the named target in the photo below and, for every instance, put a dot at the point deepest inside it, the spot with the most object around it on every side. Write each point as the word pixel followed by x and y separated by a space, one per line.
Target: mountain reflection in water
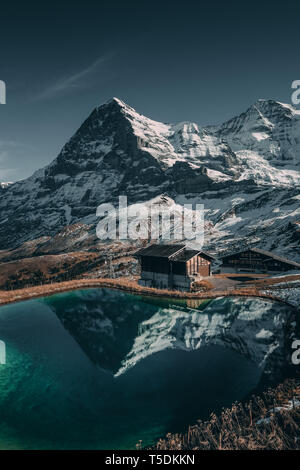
pixel 100 368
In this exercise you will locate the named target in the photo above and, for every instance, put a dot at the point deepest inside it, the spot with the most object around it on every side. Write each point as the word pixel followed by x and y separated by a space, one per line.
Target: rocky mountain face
pixel 246 172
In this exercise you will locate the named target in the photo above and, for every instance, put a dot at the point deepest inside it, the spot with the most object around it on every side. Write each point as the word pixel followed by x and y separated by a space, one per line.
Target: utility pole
pixel 110 265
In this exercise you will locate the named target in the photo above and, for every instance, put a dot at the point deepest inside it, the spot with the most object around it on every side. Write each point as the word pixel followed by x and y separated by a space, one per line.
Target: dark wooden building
pixel 172 266
pixel 257 261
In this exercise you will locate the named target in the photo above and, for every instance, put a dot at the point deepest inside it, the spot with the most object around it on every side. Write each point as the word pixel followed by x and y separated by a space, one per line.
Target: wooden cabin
pixel 172 266
pixel 255 260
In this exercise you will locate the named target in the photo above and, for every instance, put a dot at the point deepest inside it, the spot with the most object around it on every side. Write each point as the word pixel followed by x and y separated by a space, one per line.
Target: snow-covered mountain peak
pixel 275 109
pixel 118 151
pixel 121 103
pixel 114 104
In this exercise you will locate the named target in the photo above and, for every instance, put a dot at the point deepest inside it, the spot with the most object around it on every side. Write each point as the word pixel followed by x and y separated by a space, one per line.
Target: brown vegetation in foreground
pixel 124 284
pixel 276 280
pixel 269 422
pixel 18 274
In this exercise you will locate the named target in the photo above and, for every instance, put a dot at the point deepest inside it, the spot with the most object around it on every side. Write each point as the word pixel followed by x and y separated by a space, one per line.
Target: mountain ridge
pixel 118 151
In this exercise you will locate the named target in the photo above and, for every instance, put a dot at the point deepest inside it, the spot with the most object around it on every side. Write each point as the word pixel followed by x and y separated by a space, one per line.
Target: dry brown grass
pixel 271 281
pixel 238 428
pixel 203 286
pixel 233 275
pixel 124 284
pixel 43 269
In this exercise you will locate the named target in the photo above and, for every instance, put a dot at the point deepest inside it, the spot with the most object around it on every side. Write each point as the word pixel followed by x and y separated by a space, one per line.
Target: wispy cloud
pixel 72 82
pixel 4 144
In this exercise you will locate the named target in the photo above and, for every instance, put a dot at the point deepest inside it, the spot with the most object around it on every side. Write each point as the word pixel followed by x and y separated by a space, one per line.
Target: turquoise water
pixel 101 369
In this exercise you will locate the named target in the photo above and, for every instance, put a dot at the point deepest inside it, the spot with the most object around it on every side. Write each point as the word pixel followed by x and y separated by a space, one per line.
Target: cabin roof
pixel 162 251
pixel 185 255
pixel 175 252
pixel 188 253
pixel 266 253
pixel 206 255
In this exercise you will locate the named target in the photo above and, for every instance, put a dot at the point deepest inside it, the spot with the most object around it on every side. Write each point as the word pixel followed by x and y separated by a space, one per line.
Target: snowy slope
pixel 266 140
pixel 245 171
pixel 265 219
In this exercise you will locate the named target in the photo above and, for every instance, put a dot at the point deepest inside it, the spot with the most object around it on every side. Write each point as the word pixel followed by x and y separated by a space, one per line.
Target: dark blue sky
pixel 172 61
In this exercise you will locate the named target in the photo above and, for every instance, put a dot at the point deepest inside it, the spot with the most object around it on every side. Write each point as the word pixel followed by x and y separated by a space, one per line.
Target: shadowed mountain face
pixel 242 164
